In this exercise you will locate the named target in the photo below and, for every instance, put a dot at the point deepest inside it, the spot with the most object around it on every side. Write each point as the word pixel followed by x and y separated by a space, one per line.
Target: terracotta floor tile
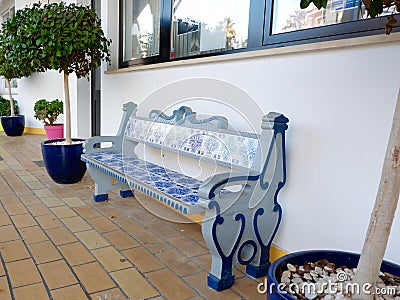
pixel 43 193
pixel 7 196
pixel 93 277
pixel 44 252
pixel 16 209
pixel 51 201
pixel 134 284
pixel 4 289
pixel 86 212
pixel 143 259
pixel 28 178
pixel 30 200
pixel 152 242
pixel 38 210
pixel 74 202
pixel 121 240
pixel 76 224
pixel 247 287
pixel 102 224
pixel 14 250
pixel 163 280
pixel 8 233
pixel 63 212
pixel 182 265
pixel 69 293
pixel 111 259
pixel 189 247
pixel 61 235
pixel 34 185
pixel 199 282
pixel 57 274
pixel 4 219
pixel 76 254
pixel 22 221
pixel 109 294
pixel 33 234
pixel 130 226
pixel 164 230
pixel 35 291
pixel 92 239
pixel 23 272
pixel 49 221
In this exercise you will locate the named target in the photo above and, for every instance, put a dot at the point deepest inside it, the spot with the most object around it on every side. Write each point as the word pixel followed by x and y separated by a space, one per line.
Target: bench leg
pixel 222 244
pixel 234 235
pixel 104 183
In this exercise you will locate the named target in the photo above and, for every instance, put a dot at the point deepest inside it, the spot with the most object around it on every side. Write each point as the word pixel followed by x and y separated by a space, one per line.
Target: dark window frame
pixel 259 33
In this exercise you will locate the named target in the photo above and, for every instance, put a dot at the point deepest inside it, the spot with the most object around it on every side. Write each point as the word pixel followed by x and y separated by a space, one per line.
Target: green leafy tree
pixel 67 38
pixel 17 56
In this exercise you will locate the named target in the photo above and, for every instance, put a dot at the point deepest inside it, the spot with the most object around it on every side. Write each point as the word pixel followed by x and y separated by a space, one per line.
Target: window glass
pixel 205 26
pixel 287 15
pixel 141 28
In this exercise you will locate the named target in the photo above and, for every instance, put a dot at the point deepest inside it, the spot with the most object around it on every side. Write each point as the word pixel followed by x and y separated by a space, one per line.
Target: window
pixel 142 29
pixel 207 26
pixel 155 31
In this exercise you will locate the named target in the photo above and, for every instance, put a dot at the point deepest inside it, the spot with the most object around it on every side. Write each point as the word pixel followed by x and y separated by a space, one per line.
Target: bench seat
pixel 175 189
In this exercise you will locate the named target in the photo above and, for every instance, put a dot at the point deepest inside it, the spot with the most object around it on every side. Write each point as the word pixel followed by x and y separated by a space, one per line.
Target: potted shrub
pixel 370 262
pixel 70 40
pixel 48 112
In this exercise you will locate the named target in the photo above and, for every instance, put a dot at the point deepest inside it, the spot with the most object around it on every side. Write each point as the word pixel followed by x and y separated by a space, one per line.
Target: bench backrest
pixel 207 138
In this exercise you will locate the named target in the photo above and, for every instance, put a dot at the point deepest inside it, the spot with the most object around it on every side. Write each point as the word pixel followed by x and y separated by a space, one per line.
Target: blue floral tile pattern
pixel 171 183
pixel 229 147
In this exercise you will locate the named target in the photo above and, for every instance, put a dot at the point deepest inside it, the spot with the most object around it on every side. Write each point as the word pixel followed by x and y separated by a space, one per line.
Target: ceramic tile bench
pixel 238 226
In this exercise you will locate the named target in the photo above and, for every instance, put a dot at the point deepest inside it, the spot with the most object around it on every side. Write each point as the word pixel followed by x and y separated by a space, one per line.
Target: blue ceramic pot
pixel 340 258
pixel 13 126
pixel 63 162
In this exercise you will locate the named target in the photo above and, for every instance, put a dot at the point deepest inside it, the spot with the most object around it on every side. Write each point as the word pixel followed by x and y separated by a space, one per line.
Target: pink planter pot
pixel 54 132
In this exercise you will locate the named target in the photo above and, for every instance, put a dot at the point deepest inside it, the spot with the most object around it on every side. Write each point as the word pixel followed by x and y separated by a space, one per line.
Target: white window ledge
pixel 327 45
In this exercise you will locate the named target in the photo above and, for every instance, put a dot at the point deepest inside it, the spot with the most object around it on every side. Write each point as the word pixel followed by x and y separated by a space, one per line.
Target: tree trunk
pixel 11 99
pixel 67 110
pixel 382 216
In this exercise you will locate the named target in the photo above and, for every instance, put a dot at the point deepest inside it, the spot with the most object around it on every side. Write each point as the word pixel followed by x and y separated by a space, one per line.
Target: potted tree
pixel 14 63
pixel 70 40
pixel 370 262
pixel 48 112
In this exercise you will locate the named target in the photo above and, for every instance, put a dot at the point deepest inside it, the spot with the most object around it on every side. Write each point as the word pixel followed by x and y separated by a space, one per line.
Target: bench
pixel 238 225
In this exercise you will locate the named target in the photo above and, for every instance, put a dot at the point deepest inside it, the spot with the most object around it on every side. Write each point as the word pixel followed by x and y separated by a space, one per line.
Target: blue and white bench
pixel 238 226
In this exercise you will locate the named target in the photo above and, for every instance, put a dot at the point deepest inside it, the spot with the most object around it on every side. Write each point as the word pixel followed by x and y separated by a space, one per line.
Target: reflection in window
pixel 289 17
pixel 142 28
pixel 205 26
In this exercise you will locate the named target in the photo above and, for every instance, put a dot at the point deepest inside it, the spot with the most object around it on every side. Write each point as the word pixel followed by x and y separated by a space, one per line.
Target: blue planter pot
pixel 13 126
pixel 63 162
pixel 299 258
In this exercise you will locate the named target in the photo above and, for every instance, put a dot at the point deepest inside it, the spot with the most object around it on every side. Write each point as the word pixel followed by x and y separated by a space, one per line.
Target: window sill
pixel 328 45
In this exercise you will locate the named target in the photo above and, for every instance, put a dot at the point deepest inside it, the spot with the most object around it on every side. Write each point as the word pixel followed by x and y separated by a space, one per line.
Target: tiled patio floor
pixel 56 243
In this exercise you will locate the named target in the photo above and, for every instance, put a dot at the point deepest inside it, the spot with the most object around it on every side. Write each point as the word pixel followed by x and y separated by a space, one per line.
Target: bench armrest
pixel 213 186
pixel 93 145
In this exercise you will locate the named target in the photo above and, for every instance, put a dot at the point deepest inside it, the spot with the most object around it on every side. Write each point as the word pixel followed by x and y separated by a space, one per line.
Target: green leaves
pixel 48 111
pixel 57 36
pixel 318 3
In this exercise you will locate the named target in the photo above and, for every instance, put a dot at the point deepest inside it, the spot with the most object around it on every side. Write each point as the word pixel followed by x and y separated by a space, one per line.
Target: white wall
pixel 340 105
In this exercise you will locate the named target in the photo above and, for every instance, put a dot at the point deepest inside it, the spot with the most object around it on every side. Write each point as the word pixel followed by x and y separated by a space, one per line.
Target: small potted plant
pixel 48 112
